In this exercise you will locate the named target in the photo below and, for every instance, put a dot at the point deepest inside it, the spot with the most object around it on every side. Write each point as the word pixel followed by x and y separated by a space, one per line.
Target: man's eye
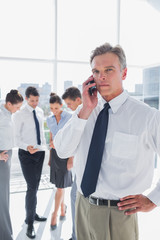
pixel 109 70
pixel 95 71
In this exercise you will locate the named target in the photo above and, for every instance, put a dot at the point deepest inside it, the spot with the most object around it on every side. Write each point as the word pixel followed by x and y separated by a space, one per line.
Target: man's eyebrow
pixel 109 67
pixel 104 67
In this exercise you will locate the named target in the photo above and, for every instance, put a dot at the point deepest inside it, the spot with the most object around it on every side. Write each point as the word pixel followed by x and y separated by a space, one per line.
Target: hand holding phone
pixel 91 89
pixel 90 98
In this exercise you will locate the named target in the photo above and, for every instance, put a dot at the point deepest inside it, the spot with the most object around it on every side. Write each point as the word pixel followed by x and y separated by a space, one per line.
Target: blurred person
pixel 29 136
pixel 72 97
pixel 115 141
pixel 13 103
pixel 60 173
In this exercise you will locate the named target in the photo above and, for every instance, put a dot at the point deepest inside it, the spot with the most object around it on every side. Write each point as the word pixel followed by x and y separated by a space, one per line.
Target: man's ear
pixel 124 73
pixel 78 99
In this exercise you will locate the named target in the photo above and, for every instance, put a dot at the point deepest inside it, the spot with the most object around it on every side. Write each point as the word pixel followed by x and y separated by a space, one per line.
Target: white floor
pixel 44 208
pixel 149 223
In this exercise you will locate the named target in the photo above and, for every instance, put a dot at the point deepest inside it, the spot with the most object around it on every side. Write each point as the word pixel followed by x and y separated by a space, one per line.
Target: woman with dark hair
pixel 59 168
pixel 13 103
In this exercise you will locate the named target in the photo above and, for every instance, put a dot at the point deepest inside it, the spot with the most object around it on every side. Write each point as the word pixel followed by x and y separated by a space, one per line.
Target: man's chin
pixel 103 92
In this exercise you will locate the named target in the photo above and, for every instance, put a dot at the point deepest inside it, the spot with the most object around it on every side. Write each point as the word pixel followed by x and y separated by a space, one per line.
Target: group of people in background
pixel 25 129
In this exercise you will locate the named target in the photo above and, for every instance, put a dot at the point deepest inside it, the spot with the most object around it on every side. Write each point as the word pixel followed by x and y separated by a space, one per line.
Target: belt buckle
pixel 89 198
pixel 97 201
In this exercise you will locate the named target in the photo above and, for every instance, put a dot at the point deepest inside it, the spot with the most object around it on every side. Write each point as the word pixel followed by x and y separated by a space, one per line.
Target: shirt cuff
pixel 154 196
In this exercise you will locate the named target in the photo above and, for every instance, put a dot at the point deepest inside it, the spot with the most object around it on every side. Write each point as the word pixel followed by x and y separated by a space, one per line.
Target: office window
pixel 83 25
pixel 13 73
pixel 139 34
pixel 75 74
pixel 27 28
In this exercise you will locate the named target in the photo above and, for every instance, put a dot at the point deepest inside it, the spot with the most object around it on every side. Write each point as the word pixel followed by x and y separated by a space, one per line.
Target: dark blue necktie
pixel 94 159
pixel 37 127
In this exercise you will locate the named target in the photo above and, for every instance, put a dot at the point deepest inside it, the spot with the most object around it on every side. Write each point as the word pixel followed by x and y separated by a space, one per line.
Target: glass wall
pixel 83 25
pixel 51 41
pixel 26 43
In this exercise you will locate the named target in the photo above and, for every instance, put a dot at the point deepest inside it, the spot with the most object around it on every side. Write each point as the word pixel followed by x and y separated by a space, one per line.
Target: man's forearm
pixel 85 113
pixel 68 138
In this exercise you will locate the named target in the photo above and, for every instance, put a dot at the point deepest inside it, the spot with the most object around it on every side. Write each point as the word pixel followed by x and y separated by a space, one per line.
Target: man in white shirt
pixel 72 97
pixel 129 152
pixel 29 137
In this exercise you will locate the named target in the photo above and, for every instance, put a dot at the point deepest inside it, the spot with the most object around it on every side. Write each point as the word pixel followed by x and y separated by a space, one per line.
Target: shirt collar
pixel 5 110
pixel 30 108
pixel 118 101
pixel 62 114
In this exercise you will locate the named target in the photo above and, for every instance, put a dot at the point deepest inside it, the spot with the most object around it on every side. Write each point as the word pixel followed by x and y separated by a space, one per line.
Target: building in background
pixel 45 91
pixel 80 87
pixel 151 86
pixel 149 91
pixel 138 93
pixel 67 84
pixel 23 87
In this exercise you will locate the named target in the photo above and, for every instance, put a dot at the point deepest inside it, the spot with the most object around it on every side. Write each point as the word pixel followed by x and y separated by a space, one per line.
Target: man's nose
pixel 102 76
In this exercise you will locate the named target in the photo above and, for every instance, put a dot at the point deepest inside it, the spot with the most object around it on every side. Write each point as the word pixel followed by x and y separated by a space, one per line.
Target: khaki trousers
pixel 103 223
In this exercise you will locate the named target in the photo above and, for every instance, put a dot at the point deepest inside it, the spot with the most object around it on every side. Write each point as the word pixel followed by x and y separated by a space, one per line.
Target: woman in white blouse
pixel 13 103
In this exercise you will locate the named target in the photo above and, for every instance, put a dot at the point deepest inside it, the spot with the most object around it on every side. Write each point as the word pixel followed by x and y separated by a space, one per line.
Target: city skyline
pixel 138 91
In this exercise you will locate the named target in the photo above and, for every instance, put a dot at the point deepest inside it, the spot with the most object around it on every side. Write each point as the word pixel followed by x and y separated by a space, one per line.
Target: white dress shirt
pixel 132 139
pixel 6 129
pixel 25 129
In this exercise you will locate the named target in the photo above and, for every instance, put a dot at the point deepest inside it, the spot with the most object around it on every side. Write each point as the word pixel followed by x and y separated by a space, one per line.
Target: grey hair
pixel 107 48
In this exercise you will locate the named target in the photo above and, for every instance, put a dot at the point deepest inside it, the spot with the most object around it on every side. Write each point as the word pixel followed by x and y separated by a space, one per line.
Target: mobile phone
pixel 91 89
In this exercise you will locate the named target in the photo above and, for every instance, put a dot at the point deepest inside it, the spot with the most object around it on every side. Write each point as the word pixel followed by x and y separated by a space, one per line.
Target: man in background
pixel 29 137
pixel 72 97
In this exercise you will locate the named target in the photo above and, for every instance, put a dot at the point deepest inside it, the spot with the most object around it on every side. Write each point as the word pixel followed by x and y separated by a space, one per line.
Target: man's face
pixel 108 75
pixel 72 104
pixel 33 101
